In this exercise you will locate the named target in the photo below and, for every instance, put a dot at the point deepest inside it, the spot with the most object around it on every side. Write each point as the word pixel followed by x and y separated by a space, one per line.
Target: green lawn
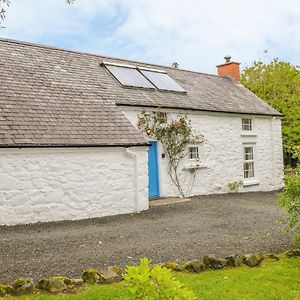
pixel 273 280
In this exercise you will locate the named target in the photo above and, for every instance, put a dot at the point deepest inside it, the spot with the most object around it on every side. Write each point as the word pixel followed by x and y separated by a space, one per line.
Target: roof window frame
pixel 140 70
pixel 182 91
pixel 128 86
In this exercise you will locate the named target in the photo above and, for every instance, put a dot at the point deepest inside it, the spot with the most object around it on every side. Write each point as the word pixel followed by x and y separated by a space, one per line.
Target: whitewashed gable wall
pixel 41 185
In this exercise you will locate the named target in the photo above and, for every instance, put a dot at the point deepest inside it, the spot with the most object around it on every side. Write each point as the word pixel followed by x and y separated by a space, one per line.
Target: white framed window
pixel 193 152
pixel 247 124
pixel 163 116
pixel 248 162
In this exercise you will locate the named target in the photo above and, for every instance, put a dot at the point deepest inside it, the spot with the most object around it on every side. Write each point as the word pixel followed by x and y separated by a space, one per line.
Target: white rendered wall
pixel 40 185
pixel 221 154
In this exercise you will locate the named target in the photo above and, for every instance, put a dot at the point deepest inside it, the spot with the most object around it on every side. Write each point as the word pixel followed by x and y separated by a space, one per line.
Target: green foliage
pixel 290 201
pixel 174 137
pixel 294 150
pixel 278 83
pixel 5 289
pixel 151 283
pixel 235 185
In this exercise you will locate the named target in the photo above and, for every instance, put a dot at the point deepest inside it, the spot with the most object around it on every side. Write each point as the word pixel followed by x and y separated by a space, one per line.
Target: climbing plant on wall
pixel 174 135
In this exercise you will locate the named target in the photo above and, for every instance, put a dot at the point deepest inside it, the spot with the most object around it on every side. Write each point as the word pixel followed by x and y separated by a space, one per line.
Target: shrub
pixel 153 283
pixel 290 200
pixel 235 185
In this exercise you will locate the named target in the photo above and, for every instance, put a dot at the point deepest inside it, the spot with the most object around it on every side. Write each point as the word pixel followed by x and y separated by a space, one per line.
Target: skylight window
pixel 129 76
pixel 132 76
pixel 162 81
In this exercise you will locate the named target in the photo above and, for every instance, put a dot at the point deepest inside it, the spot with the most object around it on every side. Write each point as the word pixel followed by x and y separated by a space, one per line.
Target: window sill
pixel 250 182
pixel 250 133
pixel 192 167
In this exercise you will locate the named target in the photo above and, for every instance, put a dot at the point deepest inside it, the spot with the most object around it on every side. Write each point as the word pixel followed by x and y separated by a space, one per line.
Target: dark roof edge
pixel 71 145
pixel 102 56
pixel 204 110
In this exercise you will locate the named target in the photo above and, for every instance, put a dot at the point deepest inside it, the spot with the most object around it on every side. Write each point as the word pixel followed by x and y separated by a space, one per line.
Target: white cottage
pixel 70 149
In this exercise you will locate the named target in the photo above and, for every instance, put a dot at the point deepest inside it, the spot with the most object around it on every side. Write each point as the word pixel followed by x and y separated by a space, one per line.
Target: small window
pixel 248 162
pixel 193 152
pixel 163 116
pixel 247 124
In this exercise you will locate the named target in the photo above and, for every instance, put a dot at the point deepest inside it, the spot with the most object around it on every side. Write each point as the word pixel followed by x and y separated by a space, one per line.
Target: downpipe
pixel 134 156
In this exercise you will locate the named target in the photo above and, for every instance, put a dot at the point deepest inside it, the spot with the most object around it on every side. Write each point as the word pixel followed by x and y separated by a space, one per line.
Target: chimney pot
pixel 227 58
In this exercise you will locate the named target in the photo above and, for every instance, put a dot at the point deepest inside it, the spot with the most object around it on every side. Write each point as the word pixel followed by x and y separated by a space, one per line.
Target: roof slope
pixel 51 96
pixel 205 92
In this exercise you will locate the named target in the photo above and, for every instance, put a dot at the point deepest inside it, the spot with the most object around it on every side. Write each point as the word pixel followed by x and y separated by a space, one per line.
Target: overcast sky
pixel 195 33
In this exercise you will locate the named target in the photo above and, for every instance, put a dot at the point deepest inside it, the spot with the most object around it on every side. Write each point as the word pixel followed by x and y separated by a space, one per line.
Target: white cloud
pixel 198 33
pixel 33 20
pixel 195 33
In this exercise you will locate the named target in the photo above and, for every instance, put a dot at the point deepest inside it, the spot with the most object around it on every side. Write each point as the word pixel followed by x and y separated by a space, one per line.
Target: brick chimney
pixel 230 68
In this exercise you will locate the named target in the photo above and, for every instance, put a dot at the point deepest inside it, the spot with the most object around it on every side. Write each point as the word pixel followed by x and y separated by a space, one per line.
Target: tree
pixel 278 83
pixel 4 4
pixel 289 199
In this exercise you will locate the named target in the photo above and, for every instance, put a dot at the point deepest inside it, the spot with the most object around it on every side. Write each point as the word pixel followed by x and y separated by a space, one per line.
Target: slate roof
pixel 50 97
pixel 56 97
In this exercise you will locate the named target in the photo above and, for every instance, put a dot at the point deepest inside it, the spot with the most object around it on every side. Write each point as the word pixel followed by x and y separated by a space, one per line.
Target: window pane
pixel 246 124
pixel 248 153
pixel 193 152
pixel 248 169
pixel 129 77
pixel 163 116
pixel 162 81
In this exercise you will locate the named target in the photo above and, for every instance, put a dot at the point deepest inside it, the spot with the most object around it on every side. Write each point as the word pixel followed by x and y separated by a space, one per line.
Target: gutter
pixel 71 145
pixel 202 110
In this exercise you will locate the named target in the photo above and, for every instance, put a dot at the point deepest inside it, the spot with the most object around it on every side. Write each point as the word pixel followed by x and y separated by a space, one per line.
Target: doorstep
pixel 169 200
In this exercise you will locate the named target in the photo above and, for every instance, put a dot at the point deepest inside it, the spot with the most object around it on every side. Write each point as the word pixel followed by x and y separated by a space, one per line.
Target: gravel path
pixel 220 224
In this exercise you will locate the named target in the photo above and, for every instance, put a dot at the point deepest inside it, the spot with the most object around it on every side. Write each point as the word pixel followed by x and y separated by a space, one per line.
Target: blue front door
pixel 153 170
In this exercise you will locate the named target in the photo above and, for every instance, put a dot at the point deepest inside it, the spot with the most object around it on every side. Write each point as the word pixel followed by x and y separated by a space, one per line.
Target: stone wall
pixel 221 155
pixel 40 185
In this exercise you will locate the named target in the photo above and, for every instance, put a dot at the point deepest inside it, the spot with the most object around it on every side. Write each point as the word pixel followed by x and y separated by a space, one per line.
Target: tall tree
pixel 278 83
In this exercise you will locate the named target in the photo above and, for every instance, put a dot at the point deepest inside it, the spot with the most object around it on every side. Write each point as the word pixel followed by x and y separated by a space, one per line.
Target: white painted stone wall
pixel 40 185
pixel 221 154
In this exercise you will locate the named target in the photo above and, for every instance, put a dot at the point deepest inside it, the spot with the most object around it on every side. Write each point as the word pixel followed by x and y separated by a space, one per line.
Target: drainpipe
pixel 272 148
pixel 134 156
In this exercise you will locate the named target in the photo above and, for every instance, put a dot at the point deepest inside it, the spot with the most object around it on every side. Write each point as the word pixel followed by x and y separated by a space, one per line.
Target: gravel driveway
pixel 222 224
